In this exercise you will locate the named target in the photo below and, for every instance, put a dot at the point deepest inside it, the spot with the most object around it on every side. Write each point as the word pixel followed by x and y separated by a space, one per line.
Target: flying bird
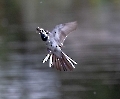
pixel 54 41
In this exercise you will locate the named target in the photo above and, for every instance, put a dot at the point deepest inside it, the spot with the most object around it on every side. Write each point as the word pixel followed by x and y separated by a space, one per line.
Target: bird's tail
pixel 60 63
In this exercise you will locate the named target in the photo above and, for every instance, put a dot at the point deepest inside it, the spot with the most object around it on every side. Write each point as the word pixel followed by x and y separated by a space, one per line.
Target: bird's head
pixel 43 33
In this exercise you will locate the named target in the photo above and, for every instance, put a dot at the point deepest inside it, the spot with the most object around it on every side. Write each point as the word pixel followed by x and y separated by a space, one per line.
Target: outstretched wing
pixel 61 31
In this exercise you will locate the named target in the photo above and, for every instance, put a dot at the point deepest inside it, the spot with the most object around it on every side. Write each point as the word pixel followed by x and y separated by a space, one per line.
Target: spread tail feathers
pixel 63 63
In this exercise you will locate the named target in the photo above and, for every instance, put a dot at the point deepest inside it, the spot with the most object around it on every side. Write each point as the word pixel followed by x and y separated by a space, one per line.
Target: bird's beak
pixel 38 30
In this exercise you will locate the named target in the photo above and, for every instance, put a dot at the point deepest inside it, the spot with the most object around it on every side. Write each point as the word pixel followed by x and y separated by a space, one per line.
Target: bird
pixel 54 41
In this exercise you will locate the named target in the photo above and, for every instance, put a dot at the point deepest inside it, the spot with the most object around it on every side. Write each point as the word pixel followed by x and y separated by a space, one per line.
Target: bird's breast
pixel 53 46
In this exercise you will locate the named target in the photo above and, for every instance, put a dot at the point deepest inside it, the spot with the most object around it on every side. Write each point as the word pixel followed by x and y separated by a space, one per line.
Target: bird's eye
pixel 47 32
pixel 41 30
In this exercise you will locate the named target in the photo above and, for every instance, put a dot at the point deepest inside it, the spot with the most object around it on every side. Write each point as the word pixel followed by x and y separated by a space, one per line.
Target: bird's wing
pixel 61 31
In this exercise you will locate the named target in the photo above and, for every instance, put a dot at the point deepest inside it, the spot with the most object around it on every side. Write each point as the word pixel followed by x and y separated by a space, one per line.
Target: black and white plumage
pixel 54 41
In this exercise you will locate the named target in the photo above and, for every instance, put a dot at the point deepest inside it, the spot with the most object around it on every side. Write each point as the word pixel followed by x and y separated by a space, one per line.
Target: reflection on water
pixel 96 75
pixel 94 45
pixel 17 82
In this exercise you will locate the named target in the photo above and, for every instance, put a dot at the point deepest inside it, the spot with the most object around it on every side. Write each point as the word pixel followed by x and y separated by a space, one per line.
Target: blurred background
pixel 95 45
